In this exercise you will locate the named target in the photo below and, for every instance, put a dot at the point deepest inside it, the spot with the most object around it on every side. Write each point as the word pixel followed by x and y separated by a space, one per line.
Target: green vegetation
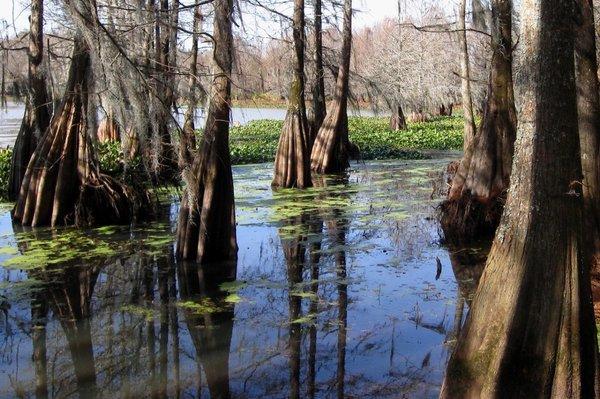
pixel 256 142
pixel 5 159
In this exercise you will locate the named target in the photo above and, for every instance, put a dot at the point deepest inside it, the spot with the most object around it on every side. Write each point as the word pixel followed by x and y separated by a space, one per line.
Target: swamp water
pixel 336 293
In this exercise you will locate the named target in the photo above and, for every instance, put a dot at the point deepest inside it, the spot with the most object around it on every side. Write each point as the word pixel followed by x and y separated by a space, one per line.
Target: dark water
pixel 336 293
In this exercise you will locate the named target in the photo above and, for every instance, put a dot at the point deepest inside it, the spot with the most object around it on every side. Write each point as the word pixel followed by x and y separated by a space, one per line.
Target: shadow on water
pixel 337 293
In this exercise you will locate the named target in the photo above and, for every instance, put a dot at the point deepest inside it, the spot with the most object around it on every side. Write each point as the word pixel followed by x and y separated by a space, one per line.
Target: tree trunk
pixel 332 148
pixel 292 162
pixel 62 184
pixel 37 106
pixel 465 71
pixel 206 231
pixel 531 330
pixel 187 144
pixel 319 107
pixel 588 101
pixel 478 191
pixel 164 164
pixel 398 120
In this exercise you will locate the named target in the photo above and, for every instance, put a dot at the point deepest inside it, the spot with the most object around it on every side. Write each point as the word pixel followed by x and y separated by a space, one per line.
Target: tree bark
pixel 292 161
pixel 187 144
pixel 37 107
pixel 319 107
pixel 531 330
pixel 588 102
pixel 465 71
pixel 206 230
pixel 478 191
pixel 62 184
pixel 332 148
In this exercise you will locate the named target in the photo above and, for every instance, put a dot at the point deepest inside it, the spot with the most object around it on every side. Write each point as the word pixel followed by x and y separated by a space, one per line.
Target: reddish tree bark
pixel 319 106
pixel 62 184
pixel 331 150
pixel 531 331
pixel 292 161
pixel 398 120
pixel 206 230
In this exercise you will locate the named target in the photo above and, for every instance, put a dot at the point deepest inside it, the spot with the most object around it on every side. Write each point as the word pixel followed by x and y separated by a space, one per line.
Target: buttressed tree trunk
pixel 188 135
pixel 332 148
pixel 465 71
pixel 588 103
pixel 62 184
pixel 531 330
pixel 206 229
pixel 109 129
pixel 319 107
pixel 478 191
pixel 292 162
pixel 37 105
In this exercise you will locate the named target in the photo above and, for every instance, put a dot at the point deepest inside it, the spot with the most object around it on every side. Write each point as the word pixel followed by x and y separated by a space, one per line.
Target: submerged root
pixel 468 218
pixel 105 201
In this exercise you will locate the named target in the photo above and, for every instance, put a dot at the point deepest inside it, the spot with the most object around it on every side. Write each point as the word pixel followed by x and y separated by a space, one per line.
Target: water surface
pixel 337 293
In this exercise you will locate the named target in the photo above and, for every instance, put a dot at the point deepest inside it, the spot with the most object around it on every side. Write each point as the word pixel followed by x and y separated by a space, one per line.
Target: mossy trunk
pixel 292 161
pixel 588 102
pixel 206 230
pixel 62 184
pixel 531 331
pixel 332 148
pixel 478 191
pixel 37 104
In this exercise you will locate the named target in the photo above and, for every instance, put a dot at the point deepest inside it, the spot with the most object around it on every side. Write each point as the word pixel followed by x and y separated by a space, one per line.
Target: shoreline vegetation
pixel 256 142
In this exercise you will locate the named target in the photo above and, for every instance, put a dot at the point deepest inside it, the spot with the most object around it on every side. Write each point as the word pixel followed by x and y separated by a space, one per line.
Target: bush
pixel 5 161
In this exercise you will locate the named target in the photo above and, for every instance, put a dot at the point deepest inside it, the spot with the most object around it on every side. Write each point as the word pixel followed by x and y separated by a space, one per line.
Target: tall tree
pixel 398 120
pixel 206 230
pixel 187 142
pixel 478 191
pixel 465 72
pixel 531 329
pixel 37 104
pixel 292 162
pixel 319 107
pixel 588 102
pixel 63 184
pixel 332 148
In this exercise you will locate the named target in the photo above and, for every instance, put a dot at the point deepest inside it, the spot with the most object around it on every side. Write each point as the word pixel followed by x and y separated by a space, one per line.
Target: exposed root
pixel 467 218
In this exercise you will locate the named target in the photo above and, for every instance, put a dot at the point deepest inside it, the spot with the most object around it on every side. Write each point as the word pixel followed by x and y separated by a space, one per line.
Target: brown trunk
pixel 588 103
pixel 39 319
pixel 62 184
pixel 187 144
pixel 531 332
pixel 478 191
pixel 292 162
pixel 319 107
pixel 37 105
pixel 332 148
pixel 398 120
pixel 206 231
pixel 465 71
pixel 165 163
